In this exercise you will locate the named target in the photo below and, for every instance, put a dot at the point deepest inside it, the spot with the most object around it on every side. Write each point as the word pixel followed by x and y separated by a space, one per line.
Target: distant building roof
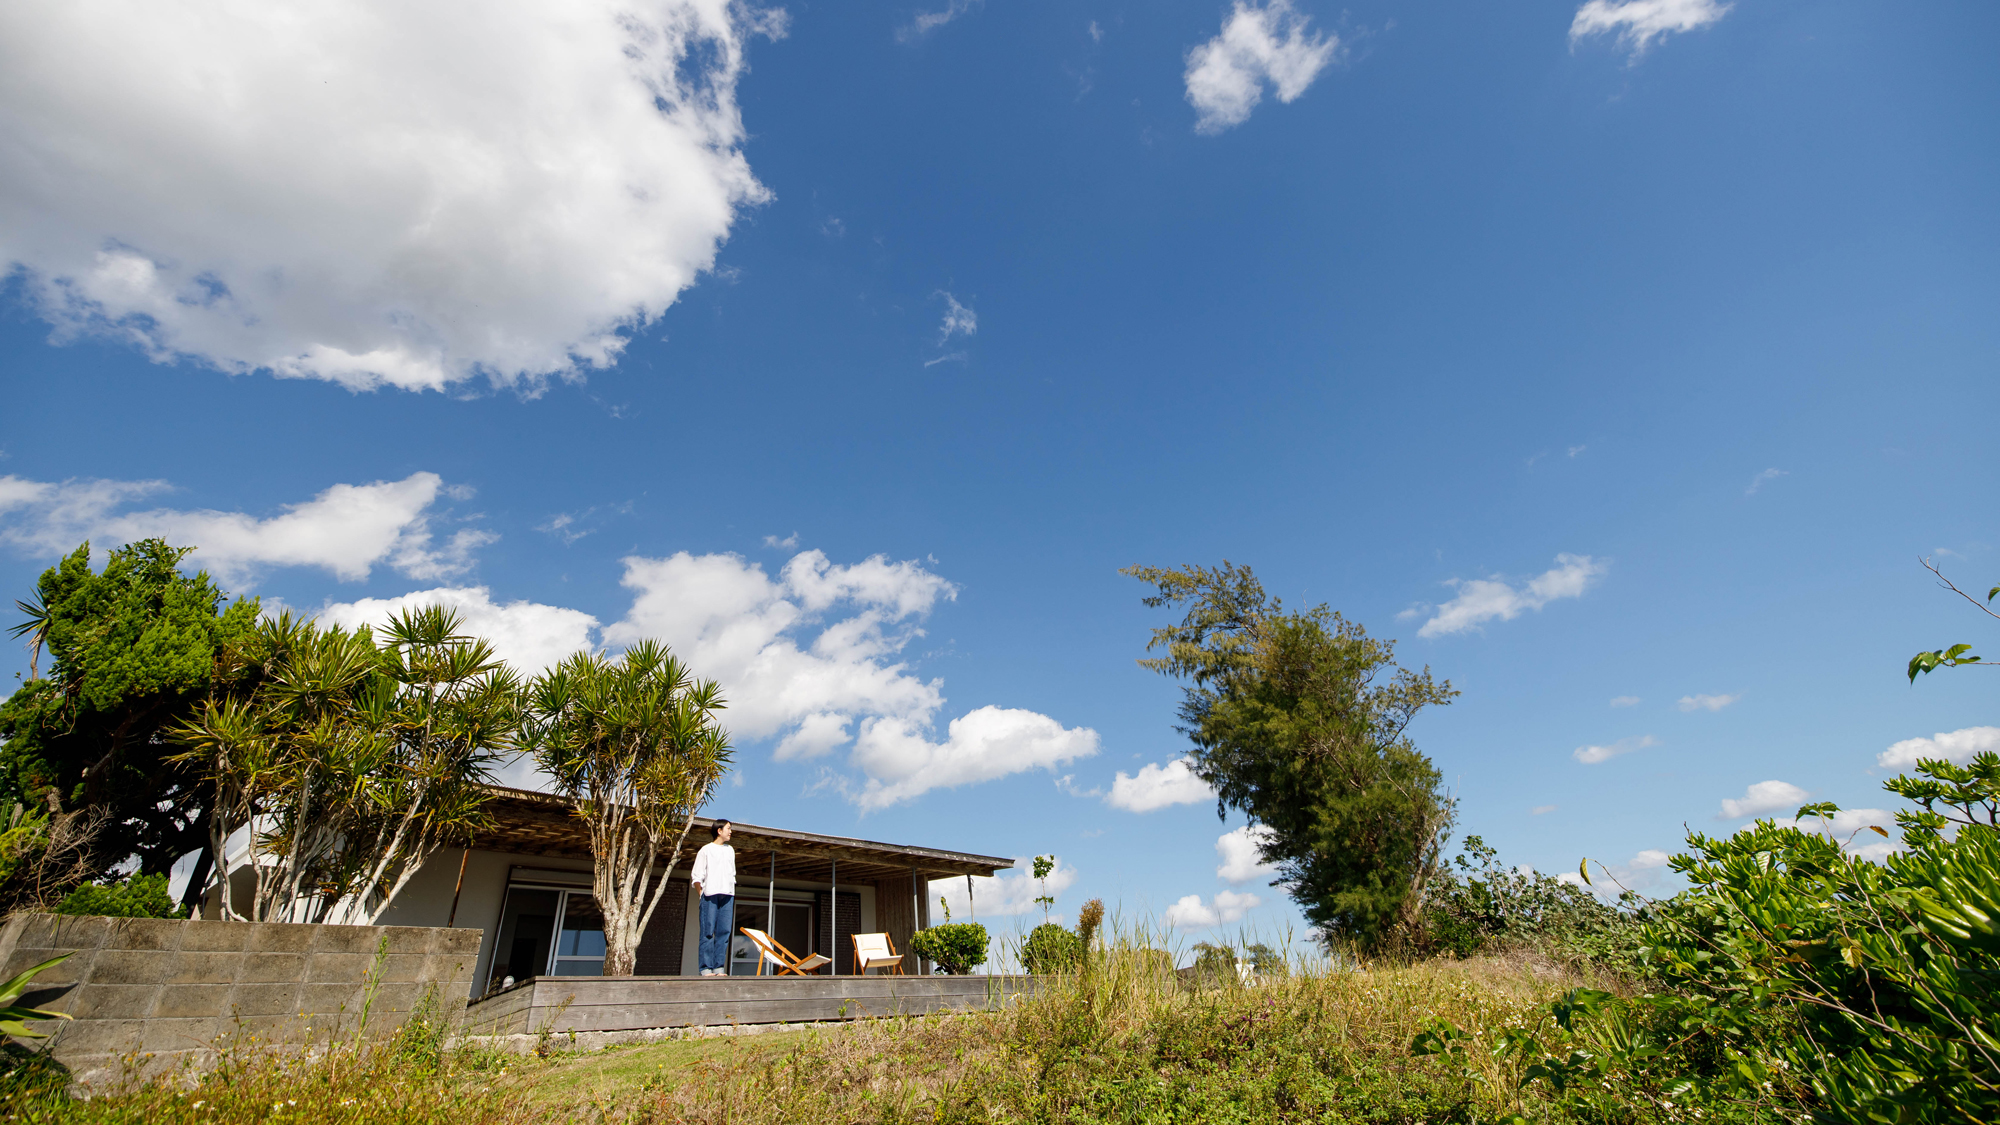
pixel 530 823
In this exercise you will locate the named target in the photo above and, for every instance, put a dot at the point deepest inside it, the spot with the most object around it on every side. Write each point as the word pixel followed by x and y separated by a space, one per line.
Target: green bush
pixel 1475 904
pixel 1050 948
pixel 956 947
pixel 141 896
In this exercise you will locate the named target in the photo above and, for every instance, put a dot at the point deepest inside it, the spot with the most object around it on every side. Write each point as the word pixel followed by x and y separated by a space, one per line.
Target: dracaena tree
pixel 635 744
pixel 351 761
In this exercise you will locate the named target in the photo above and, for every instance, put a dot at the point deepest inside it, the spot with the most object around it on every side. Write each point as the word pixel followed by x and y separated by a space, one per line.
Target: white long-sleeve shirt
pixel 715 869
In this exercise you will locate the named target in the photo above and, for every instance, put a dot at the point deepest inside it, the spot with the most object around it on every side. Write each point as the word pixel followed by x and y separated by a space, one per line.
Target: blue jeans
pixel 718 919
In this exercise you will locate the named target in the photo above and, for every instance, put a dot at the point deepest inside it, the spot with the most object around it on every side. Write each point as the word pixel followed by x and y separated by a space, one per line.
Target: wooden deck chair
pixel 780 958
pixel 875 951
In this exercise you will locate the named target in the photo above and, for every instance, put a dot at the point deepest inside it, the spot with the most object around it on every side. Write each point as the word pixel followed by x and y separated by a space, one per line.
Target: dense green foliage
pixel 1050 948
pixel 134 649
pixel 1476 904
pixel 1299 720
pixel 956 947
pixel 361 758
pixel 141 896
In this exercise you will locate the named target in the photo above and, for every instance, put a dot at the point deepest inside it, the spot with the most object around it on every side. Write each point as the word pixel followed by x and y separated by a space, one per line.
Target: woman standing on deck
pixel 714 879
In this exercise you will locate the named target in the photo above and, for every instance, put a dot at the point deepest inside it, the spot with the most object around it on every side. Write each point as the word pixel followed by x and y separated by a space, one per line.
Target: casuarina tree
pixel 636 745
pixel 1299 721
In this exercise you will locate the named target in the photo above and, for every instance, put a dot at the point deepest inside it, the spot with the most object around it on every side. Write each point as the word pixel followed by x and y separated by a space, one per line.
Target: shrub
pixel 956 947
pixel 141 896
pixel 1475 904
pixel 1050 948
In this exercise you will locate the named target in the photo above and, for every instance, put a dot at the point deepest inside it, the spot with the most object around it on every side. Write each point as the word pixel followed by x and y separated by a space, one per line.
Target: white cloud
pixel 1958 746
pixel 1157 787
pixel 1762 479
pixel 1706 702
pixel 528 635
pixel 1637 23
pixel 1191 913
pixel 1764 797
pixel 371 192
pixel 1482 599
pixel 1001 895
pixel 1576 449
pixel 787 543
pixel 987 743
pixel 812 653
pixel 923 23
pixel 348 529
pixel 1242 855
pixel 958 321
pixel 1538 810
pixel 1643 870
pixel 1591 755
pixel 1625 701
pixel 1259 44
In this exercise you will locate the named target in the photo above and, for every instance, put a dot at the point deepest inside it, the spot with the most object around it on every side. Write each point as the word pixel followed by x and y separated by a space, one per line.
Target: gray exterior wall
pixel 164 992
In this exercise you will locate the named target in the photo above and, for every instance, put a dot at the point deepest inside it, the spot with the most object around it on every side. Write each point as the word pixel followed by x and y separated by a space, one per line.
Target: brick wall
pixel 166 991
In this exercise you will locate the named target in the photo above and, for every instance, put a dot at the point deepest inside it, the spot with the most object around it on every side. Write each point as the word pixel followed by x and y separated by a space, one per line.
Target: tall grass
pixel 1122 1037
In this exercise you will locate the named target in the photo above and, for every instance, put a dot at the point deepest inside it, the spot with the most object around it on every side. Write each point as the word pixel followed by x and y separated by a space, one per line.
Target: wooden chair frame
pixel 771 952
pixel 862 965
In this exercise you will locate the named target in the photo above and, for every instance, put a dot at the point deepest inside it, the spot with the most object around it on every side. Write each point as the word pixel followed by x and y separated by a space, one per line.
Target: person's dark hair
pixel 720 825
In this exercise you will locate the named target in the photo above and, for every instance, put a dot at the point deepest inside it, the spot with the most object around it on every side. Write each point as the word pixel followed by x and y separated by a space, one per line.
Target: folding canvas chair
pixel 780 958
pixel 873 951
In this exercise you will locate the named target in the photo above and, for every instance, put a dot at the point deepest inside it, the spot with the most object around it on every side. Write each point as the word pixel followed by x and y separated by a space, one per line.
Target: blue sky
pixel 1685 309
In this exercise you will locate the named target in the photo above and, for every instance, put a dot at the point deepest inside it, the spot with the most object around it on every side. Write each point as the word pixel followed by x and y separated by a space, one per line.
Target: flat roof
pixel 528 822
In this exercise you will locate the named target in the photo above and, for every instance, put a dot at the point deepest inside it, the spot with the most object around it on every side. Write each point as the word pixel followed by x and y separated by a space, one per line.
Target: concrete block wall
pixel 150 995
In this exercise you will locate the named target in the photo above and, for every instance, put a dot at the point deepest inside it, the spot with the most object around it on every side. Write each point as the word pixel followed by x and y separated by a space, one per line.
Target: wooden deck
pixel 563 1004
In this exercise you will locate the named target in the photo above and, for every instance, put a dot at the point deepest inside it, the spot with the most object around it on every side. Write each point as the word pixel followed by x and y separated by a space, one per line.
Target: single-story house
pixel 526 882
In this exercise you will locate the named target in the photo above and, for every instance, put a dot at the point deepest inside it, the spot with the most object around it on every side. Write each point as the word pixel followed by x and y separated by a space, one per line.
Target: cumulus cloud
pixel 1764 797
pixel 1157 787
pixel 1706 702
pixel 1259 45
pixel 369 192
pixel 923 23
pixel 1958 746
pixel 1637 23
pixel 348 529
pixel 1625 701
pixel 1191 913
pixel 1001 896
pixel 1242 854
pixel 528 635
pixel 811 656
pixel 1481 600
pixel 1591 755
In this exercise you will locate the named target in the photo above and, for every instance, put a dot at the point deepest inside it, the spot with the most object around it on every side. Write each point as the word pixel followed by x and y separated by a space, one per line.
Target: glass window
pixel 526 926
pixel 580 945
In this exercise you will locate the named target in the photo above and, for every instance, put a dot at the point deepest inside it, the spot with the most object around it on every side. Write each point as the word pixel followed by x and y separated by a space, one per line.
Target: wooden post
pixel 833 906
pixel 463 857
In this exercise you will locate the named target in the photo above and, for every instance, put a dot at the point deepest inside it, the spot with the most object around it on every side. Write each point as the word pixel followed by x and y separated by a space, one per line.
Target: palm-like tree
pixel 635 745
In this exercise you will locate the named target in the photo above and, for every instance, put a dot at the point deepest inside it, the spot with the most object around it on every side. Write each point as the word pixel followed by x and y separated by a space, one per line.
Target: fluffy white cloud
pixel 1707 702
pixel 1259 44
pixel 349 529
pixel 988 743
pixel 1002 895
pixel 1957 746
pixel 1764 797
pixel 528 635
pixel 1483 599
pixel 1191 913
pixel 1591 755
pixel 371 192
pixel 1242 854
pixel 1625 701
pixel 1157 787
pixel 1637 23
pixel 1762 479
pixel 811 656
